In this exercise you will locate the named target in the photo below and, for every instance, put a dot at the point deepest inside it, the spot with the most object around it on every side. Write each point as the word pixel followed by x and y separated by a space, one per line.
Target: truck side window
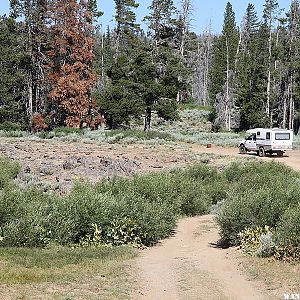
pixel 254 137
pixel 258 133
pixel 268 136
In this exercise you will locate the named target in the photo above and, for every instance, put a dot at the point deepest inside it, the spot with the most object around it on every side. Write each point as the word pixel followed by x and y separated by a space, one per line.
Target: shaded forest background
pixel 59 68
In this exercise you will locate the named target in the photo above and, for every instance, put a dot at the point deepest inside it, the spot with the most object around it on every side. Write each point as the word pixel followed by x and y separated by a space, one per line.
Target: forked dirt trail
pixel 189 265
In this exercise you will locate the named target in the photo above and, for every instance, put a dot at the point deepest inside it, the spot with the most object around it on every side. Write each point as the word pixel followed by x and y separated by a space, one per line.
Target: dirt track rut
pixel 189 265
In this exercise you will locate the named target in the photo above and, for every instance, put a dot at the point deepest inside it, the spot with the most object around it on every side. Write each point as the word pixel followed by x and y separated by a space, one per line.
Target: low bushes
pixel 261 194
pixel 144 209
pixel 138 134
pixel 139 210
pixel 9 170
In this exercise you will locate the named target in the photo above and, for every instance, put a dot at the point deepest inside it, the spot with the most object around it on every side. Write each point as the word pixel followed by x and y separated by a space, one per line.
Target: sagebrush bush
pixel 257 241
pixel 138 134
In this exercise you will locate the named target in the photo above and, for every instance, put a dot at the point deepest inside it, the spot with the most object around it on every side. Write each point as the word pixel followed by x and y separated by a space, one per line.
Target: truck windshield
pixel 282 136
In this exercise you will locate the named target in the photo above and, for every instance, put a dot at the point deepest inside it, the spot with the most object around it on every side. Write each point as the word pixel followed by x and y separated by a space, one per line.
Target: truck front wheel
pixel 243 149
pixel 261 152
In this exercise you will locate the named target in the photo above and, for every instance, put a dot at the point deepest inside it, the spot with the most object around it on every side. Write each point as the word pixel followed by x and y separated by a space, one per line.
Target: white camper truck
pixel 267 141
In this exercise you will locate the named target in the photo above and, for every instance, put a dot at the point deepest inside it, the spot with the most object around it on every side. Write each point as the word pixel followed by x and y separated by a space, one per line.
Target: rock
pixel 47 169
pixel 71 163
pixel 27 169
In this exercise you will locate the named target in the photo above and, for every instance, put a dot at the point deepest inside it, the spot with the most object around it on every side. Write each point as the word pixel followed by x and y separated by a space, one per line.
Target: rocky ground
pixel 55 165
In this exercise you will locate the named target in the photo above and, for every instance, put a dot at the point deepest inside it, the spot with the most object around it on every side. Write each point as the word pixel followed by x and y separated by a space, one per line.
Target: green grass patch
pixel 62 264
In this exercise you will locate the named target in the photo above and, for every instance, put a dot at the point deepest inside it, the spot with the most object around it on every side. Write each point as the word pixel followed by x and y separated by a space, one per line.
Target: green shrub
pixel 9 170
pixel 288 229
pixel 61 131
pixel 139 210
pixel 259 195
pixel 120 134
pixel 24 218
pixel 194 199
pixel 73 215
pixel 10 126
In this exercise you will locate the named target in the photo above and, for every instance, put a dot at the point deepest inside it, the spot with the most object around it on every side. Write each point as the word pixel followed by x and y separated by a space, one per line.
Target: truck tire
pixel 279 153
pixel 242 149
pixel 261 152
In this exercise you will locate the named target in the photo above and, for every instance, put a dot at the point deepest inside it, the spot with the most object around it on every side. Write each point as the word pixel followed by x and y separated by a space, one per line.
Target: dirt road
pixel 291 158
pixel 189 265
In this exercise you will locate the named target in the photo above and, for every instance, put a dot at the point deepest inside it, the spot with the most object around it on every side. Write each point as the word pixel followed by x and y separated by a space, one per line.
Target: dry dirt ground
pixel 188 265
pixel 59 163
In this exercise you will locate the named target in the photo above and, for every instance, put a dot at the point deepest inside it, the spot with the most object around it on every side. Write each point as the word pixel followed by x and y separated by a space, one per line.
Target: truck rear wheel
pixel 280 153
pixel 261 152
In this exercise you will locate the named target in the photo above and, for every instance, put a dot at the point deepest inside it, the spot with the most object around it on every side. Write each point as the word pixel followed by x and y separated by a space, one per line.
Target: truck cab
pixel 267 141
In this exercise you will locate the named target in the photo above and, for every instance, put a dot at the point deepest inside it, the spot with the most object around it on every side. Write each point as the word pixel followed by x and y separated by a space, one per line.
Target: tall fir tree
pixel 223 70
pixel 120 98
pixel 70 64
pixel 270 15
pixel 250 74
pixel 34 15
pixel 163 30
pixel 291 101
pixel 14 65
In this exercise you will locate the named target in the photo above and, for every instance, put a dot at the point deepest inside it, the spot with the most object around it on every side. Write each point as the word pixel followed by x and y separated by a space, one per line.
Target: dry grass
pixel 279 277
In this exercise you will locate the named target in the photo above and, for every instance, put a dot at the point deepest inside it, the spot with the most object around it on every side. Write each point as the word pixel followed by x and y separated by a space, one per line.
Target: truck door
pixel 251 142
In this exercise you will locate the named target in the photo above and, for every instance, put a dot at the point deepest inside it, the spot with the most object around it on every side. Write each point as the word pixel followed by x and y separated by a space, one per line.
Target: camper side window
pixel 268 135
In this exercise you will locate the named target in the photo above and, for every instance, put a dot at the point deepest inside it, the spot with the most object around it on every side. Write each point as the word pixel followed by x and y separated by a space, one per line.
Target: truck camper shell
pixel 267 141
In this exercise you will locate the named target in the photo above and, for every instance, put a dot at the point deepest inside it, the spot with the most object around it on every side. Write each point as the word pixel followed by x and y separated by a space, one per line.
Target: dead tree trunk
pixel 147 121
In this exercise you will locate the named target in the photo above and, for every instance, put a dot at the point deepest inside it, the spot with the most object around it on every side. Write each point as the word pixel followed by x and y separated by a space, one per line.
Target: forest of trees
pixel 59 67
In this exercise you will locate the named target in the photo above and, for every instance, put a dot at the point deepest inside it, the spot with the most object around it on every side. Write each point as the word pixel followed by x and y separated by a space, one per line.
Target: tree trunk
pixel 269 70
pixel 227 108
pixel 147 124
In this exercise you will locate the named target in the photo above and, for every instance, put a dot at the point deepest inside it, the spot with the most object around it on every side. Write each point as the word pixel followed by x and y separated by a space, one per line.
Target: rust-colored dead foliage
pixel 70 68
pixel 38 123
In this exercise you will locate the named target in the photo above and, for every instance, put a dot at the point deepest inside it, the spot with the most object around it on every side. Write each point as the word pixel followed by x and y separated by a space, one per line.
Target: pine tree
pixel 270 14
pixel 14 64
pixel 250 74
pixel 120 97
pixel 223 69
pixel 291 101
pixel 126 28
pixel 163 29
pixel 70 68
pixel 34 13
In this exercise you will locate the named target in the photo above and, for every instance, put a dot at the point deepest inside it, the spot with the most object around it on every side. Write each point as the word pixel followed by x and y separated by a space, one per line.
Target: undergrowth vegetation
pixel 261 194
pixel 258 207
pixel 139 210
pixel 192 126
